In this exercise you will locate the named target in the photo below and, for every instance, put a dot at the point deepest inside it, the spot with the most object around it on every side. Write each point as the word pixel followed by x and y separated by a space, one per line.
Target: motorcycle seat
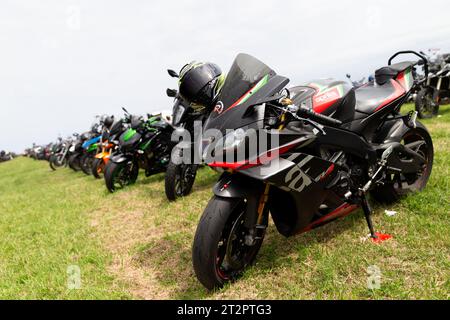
pixel 372 97
pixel 383 75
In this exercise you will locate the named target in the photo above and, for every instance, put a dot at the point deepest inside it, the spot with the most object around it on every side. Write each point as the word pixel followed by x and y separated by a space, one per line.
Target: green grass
pixel 134 244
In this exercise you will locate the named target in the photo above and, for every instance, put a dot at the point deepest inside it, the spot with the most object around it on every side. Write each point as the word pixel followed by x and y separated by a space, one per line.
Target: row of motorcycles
pixel 118 149
pixel 305 155
pixel 6 156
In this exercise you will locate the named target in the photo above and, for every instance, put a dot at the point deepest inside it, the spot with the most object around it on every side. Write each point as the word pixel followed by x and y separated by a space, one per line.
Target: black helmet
pixel 108 121
pixel 200 82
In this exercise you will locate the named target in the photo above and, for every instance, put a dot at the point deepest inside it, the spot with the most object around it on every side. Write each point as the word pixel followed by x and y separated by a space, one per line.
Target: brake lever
pixel 292 110
pixel 316 125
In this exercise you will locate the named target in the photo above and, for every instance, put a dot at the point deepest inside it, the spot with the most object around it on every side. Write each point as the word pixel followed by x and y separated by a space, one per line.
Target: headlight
pixel 177 115
pixel 234 139
pixel 213 151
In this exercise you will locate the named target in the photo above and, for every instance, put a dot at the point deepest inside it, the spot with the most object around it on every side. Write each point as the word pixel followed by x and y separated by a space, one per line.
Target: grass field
pixel 134 244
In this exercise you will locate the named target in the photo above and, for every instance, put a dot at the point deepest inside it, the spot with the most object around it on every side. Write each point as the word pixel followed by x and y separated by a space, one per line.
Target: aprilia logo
pixel 219 107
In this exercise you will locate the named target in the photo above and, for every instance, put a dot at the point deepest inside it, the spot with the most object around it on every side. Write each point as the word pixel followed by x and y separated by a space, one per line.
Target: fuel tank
pixel 327 96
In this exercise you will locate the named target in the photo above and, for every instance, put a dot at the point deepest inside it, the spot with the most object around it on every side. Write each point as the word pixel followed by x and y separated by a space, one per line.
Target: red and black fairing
pixel 329 97
pixel 302 193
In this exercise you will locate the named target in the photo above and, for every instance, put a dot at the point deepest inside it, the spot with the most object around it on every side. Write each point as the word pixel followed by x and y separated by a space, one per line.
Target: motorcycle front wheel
pixel 55 163
pixel 98 167
pixel 179 180
pixel 74 162
pixel 86 164
pixel 220 253
pixel 120 175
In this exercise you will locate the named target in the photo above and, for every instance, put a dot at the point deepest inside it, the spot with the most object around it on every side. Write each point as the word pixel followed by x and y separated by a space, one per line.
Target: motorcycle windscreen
pixel 248 81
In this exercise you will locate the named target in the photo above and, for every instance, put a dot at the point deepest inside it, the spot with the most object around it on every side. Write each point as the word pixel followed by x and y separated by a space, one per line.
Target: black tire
pixel 86 164
pixel 51 162
pixel 120 175
pixel 54 164
pixel 179 180
pixel 401 185
pixel 427 104
pixel 98 167
pixel 74 162
pixel 210 249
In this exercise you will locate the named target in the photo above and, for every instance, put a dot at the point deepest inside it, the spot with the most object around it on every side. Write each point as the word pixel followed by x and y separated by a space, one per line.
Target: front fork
pixel 257 228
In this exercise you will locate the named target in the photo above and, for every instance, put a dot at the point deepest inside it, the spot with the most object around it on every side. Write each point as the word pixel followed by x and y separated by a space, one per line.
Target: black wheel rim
pixel 184 178
pixel 123 176
pixel 233 255
pixel 414 182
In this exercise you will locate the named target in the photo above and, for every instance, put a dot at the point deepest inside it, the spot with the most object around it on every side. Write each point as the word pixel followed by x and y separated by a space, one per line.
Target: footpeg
pixel 383 163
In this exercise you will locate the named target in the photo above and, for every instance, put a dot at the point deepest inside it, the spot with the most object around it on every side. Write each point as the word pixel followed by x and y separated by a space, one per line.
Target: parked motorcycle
pixel 436 90
pixel 5 156
pixel 60 152
pixel 336 145
pixel 146 144
pixel 108 143
pixel 90 148
pixel 188 111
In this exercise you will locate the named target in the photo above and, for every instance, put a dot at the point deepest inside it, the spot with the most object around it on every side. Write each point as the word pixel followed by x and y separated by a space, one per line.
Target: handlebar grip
pixel 320 117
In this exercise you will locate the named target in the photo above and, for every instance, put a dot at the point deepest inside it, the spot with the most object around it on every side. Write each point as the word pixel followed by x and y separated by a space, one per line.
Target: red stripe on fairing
pixel 401 79
pixel 321 106
pixel 240 99
pixel 340 212
pixel 399 91
pixel 242 165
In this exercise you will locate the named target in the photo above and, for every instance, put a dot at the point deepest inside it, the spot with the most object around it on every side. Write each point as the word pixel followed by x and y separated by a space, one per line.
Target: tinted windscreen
pixel 247 74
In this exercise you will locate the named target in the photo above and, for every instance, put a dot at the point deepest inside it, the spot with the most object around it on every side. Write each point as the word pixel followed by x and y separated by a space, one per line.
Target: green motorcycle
pixel 146 145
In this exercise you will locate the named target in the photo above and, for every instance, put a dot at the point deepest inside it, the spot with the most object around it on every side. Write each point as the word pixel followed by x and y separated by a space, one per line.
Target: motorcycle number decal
pixel 296 178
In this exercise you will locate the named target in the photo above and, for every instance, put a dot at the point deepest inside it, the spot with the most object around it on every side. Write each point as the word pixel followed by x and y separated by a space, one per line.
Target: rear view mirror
pixel 172 73
pixel 171 93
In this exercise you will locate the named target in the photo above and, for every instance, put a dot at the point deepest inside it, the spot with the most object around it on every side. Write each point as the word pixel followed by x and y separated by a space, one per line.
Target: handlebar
pixel 422 57
pixel 320 118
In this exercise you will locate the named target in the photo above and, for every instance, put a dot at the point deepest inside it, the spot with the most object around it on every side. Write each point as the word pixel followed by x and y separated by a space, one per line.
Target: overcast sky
pixel 64 61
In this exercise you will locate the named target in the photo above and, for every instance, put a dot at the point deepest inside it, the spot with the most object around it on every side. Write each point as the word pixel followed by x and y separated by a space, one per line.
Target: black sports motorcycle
pixel 335 145
pixel 145 144
pixel 180 176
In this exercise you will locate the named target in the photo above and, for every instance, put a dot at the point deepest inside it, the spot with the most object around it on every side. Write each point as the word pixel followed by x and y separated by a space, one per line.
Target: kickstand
pixel 375 236
pixel 367 212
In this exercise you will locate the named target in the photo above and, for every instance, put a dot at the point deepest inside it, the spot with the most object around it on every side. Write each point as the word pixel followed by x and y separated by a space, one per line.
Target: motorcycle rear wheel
pixel 399 185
